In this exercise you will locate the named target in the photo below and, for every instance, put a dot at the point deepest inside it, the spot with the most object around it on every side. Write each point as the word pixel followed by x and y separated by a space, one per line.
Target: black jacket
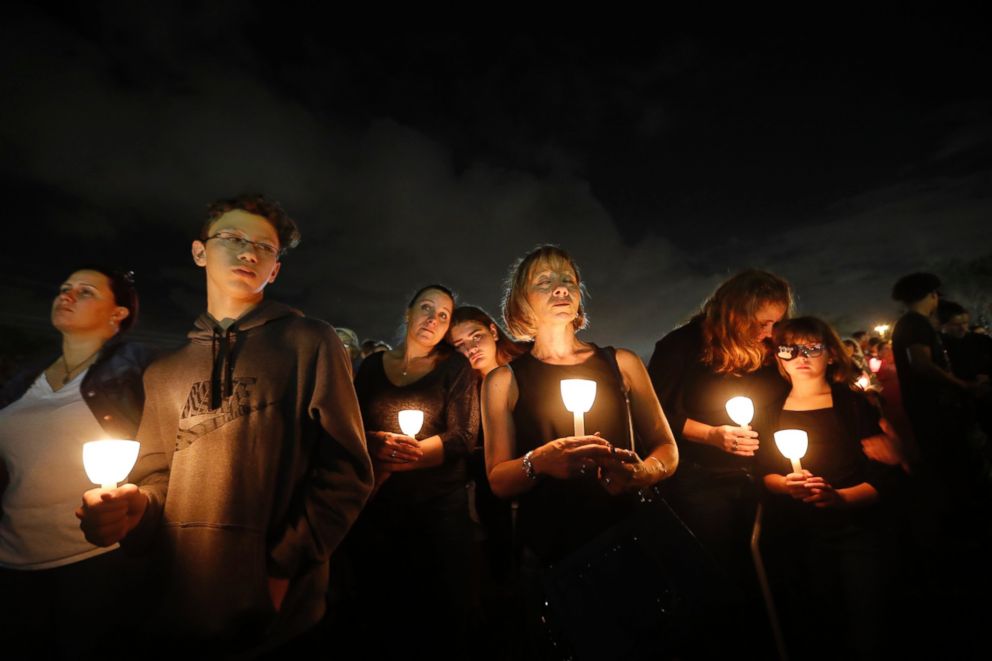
pixel 112 387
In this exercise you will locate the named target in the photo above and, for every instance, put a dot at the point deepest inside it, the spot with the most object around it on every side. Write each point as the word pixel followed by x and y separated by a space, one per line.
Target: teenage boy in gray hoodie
pixel 253 461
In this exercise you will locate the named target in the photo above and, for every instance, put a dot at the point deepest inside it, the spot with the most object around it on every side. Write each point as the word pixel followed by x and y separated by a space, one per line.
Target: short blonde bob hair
pixel 517 313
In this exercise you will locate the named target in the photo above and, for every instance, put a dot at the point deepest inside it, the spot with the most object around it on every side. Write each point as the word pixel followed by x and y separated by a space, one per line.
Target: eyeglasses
pixel 239 244
pixel 790 351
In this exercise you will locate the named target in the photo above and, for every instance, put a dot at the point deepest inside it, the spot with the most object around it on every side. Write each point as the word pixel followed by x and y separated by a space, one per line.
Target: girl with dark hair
pixel 93 390
pixel 480 339
pixel 411 544
pixel 486 345
pixel 824 529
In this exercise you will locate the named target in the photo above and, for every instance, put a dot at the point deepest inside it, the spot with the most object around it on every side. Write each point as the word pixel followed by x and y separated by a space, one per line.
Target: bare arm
pixel 505 469
pixel 649 420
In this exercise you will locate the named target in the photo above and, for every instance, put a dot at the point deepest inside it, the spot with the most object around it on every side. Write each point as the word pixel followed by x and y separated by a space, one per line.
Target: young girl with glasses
pixel 825 529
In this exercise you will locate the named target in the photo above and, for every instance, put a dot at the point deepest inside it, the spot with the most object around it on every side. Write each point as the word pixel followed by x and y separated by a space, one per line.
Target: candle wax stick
pixel 796 466
pixel 580 423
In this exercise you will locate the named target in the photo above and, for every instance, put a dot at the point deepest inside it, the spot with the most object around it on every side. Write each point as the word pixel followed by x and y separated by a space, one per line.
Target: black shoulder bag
pixel 637 590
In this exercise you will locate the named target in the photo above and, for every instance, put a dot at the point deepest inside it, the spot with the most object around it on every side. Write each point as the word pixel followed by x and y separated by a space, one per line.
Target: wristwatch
pixel 528 465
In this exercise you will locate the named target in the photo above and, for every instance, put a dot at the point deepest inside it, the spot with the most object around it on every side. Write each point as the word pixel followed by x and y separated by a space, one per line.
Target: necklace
pixel 67 377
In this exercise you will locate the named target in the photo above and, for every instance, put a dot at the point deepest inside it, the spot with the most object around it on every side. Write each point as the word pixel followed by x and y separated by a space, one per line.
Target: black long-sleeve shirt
pixel 834 453
pixel 688 388
pixel 448 396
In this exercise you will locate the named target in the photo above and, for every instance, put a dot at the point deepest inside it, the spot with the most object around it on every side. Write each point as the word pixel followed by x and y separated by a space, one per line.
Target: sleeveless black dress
pixel 559 516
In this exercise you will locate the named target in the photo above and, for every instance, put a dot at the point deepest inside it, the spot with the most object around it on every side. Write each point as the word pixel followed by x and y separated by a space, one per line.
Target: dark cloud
pixel 663 169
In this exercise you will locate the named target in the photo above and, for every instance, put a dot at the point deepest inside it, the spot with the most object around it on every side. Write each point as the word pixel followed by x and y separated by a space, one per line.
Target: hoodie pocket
pixel 220 581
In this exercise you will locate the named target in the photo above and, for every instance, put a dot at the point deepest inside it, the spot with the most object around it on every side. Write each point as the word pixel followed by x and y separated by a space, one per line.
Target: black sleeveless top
pixel 558 516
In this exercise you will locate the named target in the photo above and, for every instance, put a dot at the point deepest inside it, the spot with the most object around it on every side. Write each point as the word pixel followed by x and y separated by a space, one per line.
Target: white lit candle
pixel 109 462
pixel 740 410
pixel 874 364
pixel 411 420
pixel 792 443
pixel 578 395
pixel 863 382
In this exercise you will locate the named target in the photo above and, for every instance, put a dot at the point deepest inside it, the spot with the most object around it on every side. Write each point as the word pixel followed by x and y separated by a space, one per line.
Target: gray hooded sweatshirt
pixel 254 460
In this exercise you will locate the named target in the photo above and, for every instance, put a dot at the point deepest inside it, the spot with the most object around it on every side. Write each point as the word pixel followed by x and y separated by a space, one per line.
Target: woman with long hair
pixel 722 353
pixel 63 584
pixel 825 531
pixel 411 544
pixel 570 488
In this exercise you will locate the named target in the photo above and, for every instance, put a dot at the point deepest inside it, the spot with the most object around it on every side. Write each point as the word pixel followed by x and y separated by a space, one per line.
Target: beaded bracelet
pixel 528 466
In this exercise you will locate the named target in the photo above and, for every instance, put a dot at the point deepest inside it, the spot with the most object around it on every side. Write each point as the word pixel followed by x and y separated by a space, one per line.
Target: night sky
pixel 664 160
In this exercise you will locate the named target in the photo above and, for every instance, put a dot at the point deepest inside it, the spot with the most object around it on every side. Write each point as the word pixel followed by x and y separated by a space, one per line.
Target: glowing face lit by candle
pixel 793 444
pixel 411 420
pixel 740 410
pixel 578 395
pixel 109 462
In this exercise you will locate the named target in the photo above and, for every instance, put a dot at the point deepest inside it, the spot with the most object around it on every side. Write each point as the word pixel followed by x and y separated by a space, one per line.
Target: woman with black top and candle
pixel 824 529
pixel 720 354
pixel 570 487
pixel 411 545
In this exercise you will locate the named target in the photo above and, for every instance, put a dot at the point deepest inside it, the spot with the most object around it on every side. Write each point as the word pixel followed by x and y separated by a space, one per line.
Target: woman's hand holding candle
pixel 741 441
pixel 624 471
pixel 570 457
pixel 389 448
pixel 795 484
pixel 822 494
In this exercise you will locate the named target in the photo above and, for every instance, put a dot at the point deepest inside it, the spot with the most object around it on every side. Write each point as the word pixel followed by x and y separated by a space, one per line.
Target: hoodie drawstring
pixel 222 372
